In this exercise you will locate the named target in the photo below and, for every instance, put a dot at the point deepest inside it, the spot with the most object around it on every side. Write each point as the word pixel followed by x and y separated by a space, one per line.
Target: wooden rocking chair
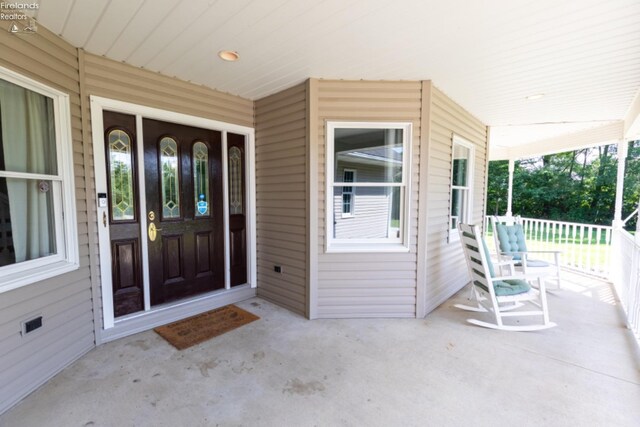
pixel 501 296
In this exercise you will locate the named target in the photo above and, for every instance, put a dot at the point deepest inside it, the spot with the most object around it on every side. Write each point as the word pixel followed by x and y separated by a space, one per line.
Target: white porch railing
pixel 585 247
pixel 626 276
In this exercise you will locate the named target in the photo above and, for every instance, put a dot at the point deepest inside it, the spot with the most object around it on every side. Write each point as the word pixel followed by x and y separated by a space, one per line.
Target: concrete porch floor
pixel 284 370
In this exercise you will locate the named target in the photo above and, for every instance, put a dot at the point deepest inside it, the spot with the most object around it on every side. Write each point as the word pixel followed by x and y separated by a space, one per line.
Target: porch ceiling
pixel 488 56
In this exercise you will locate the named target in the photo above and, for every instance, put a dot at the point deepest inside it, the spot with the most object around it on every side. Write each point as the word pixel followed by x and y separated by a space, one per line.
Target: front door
pixel 183 190
pixel 182 204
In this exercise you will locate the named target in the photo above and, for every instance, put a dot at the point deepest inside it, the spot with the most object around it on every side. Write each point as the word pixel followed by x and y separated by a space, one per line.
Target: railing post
pixel 637 236
pixel 622 157
pixel 512 166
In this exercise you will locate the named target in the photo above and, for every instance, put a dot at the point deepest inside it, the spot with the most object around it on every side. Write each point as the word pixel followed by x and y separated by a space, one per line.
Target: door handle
pixel 153 232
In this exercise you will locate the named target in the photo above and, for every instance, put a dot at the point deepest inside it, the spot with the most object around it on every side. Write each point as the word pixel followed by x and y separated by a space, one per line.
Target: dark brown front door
pixel 183 205
pixel 237 209
pixel 183 189
pixel 123 213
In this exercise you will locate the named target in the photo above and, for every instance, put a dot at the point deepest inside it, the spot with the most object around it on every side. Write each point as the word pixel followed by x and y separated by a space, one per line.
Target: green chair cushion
pixel 488 257
pixel 511 238
pixel 511 287
pixel 502 287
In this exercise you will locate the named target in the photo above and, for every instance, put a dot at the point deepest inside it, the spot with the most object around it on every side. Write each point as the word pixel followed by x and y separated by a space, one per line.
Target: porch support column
pixel 512 165
pixel 638 224
pixel 622 156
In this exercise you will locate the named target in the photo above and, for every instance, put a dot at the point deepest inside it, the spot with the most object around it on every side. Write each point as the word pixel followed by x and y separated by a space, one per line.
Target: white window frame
pixel 467 215
pixel 351 213
pixel 400 244
pixel 66 258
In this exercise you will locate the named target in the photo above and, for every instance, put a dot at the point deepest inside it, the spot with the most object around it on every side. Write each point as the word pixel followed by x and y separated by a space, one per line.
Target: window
pixel 121 181
pixel 347 193
pixel 170 178
pixel 37 208
pixel 461 184
pixel 235 181
pixel 200 164
pixel 370 213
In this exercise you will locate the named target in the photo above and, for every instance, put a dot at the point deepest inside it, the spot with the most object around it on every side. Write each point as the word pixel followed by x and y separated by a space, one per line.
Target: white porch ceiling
pixel 487 55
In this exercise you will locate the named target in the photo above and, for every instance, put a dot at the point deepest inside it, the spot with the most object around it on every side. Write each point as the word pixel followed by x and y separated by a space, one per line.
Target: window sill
pixel 22 278
pixel 366 247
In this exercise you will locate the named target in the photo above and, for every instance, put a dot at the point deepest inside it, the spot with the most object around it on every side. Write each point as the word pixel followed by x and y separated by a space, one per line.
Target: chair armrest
pixel 520 277
pixel 529 252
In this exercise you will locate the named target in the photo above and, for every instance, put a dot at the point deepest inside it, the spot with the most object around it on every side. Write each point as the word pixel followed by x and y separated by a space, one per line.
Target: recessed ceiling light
pixel 535 96
pixel 228 55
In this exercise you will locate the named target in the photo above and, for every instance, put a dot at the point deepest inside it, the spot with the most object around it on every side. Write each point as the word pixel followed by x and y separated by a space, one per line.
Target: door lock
pixel 151 215
pixel 153 232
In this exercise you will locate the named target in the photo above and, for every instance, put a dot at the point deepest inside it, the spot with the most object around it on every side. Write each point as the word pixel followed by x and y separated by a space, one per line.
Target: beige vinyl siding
pixel 114 80
pixel 370 206
pixel 370 218
pixel 367 284
pixel 445 265
pixel 64 301
pixel 281 133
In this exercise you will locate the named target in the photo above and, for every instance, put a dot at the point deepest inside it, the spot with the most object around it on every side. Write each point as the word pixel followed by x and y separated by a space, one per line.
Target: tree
pixel 631 183
pixel 576 186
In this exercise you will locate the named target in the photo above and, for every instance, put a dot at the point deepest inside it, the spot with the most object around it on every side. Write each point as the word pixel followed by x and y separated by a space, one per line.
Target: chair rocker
pixel 502 296
pixel 508 235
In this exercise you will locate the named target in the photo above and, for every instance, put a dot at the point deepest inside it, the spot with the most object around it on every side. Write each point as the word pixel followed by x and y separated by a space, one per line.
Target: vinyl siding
pixel 366 284
pixel 64 301
pixel 445 266
pixel 123 82
pixel 281 133
pixel 370 206
pixel 110 79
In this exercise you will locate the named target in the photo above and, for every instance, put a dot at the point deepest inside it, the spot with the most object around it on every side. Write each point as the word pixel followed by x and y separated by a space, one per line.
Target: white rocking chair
pixel 501 296
pixel 509 239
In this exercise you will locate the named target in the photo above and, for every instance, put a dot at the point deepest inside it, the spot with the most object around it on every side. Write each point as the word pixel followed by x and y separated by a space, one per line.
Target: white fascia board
pixel 632 119
pixel 603 135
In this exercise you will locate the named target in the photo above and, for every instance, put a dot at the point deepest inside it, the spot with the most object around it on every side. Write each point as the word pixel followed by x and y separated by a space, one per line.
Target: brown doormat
pixel 194 330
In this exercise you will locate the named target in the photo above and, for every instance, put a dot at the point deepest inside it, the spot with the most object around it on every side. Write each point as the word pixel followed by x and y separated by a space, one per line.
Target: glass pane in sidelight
pixel 235 181
pixel 121 176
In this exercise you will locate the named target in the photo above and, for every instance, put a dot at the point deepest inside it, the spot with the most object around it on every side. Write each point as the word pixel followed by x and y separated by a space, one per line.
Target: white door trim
pixel 225 214
pixel 98 105
pixel 142 204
